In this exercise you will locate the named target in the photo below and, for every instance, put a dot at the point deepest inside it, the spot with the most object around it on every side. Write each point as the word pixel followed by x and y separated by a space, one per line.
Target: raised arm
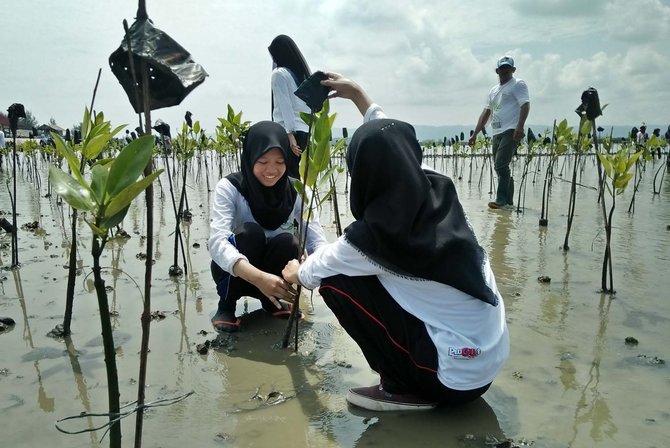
pixel 342 87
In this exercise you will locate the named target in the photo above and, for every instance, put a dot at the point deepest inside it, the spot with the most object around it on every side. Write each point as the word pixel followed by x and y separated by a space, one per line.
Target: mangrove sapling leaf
pixel 585 127
pixel 122 199
pixel 129 164
pixel 96 145
pixel 607 165
pixel 70 157
pixel 621 183
pixel 99 175
pixel 77 194
pixel 115 220
pixel 86 122
pixel 97 231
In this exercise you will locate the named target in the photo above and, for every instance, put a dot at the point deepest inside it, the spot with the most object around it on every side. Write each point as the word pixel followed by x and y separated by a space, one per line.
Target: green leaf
pixel 325 197
pixel 300 188
pixel 117 129
pixel 326 177
pixel 607 165
pixel 96 230
pixel 621 183
pixel 104 161
pixel 621 166
pixel 307 118
pixel 93 147
pixel 585 127
pixel 78 195
pixel 129 164
pixel 69 156
pixel 339 146
pixel 114 220
pixel 99 174
pixel 85 123
pixel 125 197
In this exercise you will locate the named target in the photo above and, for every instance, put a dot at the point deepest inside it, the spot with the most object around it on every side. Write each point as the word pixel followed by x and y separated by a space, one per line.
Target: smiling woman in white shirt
pixel 255 214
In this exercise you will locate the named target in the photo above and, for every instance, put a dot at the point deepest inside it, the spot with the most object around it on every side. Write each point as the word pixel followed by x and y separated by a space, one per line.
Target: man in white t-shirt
pixel 507 106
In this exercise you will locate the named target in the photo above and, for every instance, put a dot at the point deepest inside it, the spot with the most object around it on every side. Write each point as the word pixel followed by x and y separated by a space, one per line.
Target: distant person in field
pixel 642 137
pixel 507 106
pixel 289 71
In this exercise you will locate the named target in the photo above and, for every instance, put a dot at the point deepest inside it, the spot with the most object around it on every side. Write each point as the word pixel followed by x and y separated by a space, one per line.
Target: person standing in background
pixel 642 136
pixel 289 71
pixel 507 105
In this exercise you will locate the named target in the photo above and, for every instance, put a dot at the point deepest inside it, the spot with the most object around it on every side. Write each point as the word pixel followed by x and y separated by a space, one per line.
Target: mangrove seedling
pixel 617 169
pixel 229 135
pixel 106 199
pixel 316 171
pixel 96 135
pixel 560 142
pixel 581 146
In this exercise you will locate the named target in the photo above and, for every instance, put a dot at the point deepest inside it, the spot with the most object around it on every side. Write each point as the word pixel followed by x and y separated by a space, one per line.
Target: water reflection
pixel 80 381
pixel 259 402
pixel 592 408
pixel 473 425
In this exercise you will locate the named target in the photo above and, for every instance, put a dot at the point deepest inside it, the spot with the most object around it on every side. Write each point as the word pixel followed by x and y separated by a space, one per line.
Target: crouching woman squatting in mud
pixel 408 280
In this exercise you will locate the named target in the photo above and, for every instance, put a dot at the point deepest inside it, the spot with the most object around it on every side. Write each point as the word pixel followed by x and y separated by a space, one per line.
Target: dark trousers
pixel 269 256
pixel 293 164
pixel 395 343
pixel 504 147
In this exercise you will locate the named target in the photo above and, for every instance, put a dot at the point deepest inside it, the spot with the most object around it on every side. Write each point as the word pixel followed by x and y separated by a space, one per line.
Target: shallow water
pixel 570 381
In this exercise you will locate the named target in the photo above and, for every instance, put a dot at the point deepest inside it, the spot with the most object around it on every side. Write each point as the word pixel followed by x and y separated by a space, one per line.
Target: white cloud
pixel 429 63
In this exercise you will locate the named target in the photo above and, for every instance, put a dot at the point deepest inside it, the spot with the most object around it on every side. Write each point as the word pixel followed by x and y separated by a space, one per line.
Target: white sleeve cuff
pixel 374 112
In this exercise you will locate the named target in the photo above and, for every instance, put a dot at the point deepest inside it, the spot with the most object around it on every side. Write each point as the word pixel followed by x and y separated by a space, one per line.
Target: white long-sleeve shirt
pixel 470 336
pixel 287 106
pixel 231 209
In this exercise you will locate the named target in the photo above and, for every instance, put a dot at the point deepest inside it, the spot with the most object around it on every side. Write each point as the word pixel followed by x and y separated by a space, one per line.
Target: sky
pixel 426 62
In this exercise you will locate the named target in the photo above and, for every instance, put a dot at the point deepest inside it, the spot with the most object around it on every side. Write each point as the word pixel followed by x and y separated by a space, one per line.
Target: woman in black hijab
pixel 408 280
pixel 289 70
pixel 253 223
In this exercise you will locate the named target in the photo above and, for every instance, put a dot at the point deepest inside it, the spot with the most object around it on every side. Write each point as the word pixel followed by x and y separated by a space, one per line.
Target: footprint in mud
pixel 260 400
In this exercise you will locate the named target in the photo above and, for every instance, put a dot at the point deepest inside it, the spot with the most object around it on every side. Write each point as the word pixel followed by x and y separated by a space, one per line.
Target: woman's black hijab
pixel 270 206
pixel 408 220
pixel 285 53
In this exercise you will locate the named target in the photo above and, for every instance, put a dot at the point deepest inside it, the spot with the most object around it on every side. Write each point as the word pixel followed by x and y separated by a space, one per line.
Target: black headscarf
pixel 408 220
pixel 285 53
pixel 270 206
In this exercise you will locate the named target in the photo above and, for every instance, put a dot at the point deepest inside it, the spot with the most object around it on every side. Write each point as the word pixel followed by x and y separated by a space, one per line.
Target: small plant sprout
pixel 617 175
